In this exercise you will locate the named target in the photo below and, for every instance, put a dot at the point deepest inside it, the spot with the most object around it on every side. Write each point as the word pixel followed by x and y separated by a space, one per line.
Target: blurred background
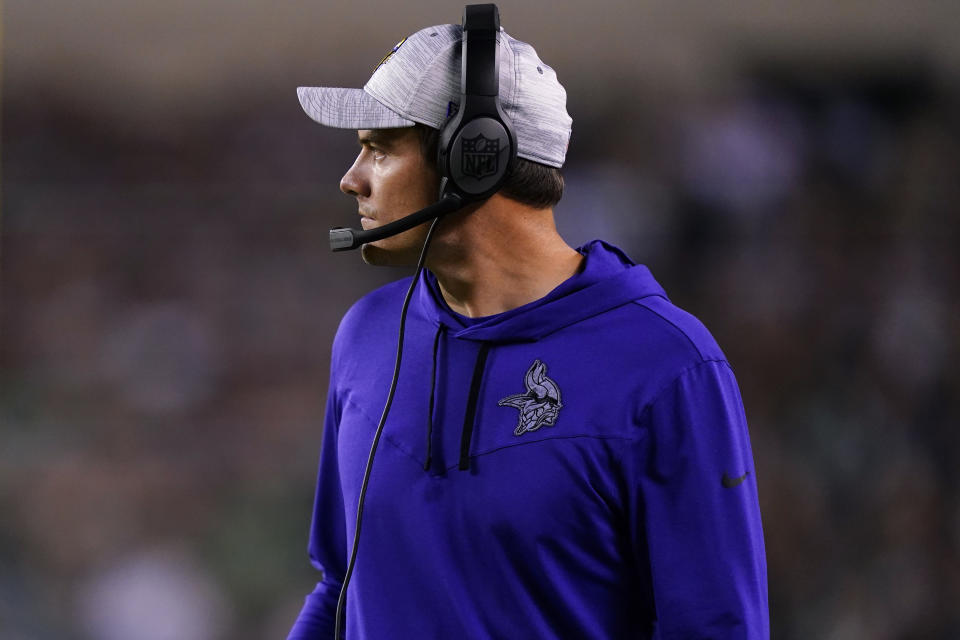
pixel 788 170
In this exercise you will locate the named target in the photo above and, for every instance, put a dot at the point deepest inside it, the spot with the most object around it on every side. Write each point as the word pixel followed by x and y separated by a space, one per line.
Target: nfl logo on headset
pixel 480 156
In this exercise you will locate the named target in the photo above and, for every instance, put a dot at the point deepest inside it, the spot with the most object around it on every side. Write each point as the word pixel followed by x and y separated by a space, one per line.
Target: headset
pixel 476 150
pixel 478 145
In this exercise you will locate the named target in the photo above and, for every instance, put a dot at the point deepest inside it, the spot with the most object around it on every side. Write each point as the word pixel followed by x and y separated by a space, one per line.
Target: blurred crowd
pixel 168 303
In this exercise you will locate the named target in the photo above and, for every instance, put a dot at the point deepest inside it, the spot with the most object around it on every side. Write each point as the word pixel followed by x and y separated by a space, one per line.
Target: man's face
pixel 391 179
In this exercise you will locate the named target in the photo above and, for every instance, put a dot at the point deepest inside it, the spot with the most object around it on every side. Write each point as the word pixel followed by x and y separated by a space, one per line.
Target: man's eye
pixel 376 152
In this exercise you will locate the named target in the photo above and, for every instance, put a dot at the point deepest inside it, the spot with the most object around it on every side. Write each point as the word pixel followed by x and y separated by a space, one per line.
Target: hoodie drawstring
pixel 472 406
pixel 433 388
pixel 471 412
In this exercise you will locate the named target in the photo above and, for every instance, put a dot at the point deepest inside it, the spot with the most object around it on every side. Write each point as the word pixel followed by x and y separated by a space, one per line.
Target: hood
pixel 607 280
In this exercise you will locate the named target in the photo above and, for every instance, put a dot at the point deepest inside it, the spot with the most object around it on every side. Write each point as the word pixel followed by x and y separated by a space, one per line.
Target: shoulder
pixel 380 300
pixel 651 344
pixel 371 318
pixel 687 357
pixel 652 335
pixel 631 354
pixel 686 334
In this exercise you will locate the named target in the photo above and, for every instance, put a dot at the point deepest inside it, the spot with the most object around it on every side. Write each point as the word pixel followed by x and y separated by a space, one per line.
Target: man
pixel 566 455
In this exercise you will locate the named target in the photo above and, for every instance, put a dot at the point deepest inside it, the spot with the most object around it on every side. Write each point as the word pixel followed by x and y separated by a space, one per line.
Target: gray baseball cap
pixel 419 81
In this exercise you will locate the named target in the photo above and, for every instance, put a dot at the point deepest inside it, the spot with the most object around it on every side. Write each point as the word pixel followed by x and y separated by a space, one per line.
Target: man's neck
pixel 500 257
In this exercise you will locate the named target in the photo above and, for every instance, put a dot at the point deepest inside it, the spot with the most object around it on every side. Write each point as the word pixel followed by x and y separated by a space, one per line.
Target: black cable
pixel 376 436
pixel 433 389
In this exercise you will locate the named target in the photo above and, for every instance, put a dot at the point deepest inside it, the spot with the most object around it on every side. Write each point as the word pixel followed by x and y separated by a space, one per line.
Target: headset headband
pixel 481 55
pixel 478 144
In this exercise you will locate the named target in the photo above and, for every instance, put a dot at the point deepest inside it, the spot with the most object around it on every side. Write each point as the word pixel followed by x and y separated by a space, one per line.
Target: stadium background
pixel 788 170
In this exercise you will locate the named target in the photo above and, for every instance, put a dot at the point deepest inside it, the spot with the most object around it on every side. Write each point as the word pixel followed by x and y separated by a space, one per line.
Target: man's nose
pixel 353 182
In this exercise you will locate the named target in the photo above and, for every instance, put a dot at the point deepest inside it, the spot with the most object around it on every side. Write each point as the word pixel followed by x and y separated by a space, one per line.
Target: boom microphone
pixel 342 239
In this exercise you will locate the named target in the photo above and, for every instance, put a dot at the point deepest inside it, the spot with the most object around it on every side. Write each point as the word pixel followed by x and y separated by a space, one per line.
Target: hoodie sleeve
pixel 327 546
pixel 694 510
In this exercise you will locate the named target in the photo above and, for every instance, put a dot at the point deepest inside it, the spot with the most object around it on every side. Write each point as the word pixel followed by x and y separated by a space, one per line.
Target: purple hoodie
pixel 578 467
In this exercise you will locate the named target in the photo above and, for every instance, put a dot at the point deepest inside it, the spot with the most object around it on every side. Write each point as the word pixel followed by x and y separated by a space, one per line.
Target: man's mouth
pixel 367 223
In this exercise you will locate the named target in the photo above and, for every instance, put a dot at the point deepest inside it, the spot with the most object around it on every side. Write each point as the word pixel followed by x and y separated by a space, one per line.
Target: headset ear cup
pixel 479 155
pixel 478 144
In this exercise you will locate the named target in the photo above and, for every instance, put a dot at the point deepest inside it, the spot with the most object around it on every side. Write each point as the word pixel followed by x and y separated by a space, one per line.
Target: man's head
pixel 417 86
pixel 395 173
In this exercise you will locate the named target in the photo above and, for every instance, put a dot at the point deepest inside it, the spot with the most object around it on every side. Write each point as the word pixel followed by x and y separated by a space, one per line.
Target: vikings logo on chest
pixel 540 405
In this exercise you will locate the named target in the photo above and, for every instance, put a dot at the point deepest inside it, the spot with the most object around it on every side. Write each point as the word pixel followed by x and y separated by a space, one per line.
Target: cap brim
pixel 348 109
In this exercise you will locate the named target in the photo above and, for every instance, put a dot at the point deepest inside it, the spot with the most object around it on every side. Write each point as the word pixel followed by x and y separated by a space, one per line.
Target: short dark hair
pixel 531 183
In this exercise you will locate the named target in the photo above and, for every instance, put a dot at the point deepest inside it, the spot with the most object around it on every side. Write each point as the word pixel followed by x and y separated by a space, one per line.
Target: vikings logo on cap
pixel 388 56
pixel 540 405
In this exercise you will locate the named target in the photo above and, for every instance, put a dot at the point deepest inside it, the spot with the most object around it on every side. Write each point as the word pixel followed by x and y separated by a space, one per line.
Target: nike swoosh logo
pixel 730 483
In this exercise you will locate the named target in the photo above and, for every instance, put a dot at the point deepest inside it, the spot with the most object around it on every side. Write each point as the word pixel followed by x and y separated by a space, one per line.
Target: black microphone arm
pixel 342 239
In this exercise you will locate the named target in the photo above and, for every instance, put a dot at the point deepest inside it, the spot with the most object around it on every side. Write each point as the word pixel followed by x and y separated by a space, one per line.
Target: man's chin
pixel 379 257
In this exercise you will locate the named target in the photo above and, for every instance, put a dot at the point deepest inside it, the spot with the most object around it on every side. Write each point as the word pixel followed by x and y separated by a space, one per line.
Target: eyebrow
pixel 374 136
